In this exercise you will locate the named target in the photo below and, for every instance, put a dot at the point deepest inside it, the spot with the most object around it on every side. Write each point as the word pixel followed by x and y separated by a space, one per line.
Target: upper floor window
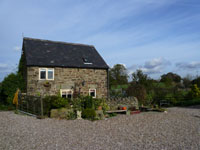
pixel 92 92
pixel 46 73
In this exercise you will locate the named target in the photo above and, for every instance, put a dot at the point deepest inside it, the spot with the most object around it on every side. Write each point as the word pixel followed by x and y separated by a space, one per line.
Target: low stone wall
pixel 114 103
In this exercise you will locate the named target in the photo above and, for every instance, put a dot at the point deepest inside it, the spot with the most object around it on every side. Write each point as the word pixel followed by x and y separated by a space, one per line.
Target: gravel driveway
pixel 177 129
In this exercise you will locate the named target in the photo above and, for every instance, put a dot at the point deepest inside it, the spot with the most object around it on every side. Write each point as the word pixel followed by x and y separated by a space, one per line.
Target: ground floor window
pixel 92 92
pixel 66 93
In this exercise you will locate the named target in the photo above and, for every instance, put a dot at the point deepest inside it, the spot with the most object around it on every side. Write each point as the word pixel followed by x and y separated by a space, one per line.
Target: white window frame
pixel 46 69
pixel 95 91
pixel 66 90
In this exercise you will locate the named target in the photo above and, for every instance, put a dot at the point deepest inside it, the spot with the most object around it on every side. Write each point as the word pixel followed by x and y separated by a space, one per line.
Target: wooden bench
pixel 164 102
pixel 116 111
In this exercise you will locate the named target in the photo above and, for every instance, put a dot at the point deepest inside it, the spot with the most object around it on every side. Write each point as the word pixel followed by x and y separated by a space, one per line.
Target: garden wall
pixel 114 103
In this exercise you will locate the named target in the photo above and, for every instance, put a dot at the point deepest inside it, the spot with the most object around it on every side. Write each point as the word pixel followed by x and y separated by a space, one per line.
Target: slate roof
pixel 61 54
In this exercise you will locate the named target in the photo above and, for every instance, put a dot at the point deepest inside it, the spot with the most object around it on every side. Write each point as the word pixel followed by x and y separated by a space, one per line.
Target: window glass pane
pixel 50 74
pixel 64 94
pixel 69 96
pixel 42 74
pixel 92 93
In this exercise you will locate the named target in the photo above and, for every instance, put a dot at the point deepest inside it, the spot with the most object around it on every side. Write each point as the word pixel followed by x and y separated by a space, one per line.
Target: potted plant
pixel 100 108
pixel 47 84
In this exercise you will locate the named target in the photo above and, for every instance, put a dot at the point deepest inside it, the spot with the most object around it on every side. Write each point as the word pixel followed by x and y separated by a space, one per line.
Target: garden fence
pixel 32 105
pixel 178 101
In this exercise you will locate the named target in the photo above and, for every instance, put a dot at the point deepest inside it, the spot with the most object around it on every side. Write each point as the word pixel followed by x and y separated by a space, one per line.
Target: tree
pixel 139 77
pixel 187 81
pixel 9 87
pixel 118 75
pixel 21 73
pixel 169 78
pixel 138 91
pixel 195 92
pixel 12 82
pixel 196 81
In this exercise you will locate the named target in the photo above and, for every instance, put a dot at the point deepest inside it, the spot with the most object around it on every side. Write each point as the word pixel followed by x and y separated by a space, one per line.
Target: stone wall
pixel 114 103
pixel 79 80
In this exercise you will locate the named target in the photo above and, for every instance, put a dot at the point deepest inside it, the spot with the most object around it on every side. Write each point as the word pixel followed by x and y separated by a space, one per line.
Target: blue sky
pixel 155 36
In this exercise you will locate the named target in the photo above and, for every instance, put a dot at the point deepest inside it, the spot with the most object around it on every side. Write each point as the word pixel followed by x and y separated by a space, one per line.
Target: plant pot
pixel 100 108
pixel 47 85
pixel 124 108
pixel 120 108
pixel 135 112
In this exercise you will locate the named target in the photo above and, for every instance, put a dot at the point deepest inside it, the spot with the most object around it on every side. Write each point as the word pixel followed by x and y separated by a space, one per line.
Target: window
pixel 46 74
pixel 92 92
pixel 43 74
pixel 66 93
pixel 50 74
pixel 86 61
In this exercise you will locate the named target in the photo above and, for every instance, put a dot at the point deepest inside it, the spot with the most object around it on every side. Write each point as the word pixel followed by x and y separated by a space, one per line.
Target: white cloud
pixel 132 68
pixel 146 29
pixel 191 66
pixel 6 67
pixel 3 66
pixel 154 66
pixel 17 48
pixel 156 62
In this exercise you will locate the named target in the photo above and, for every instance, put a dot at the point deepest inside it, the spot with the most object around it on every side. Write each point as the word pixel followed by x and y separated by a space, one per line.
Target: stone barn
pixel 68 69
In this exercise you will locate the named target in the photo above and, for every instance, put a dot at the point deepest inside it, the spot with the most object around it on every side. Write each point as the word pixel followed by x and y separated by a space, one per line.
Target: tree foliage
pixel 194 92
pixel 170 77
pixel 137 90
pixel 21 73
pixel 9 87
pixel 118 75
pixel 187 81
pixel 12 82
pixel 139 77
pixel 196 81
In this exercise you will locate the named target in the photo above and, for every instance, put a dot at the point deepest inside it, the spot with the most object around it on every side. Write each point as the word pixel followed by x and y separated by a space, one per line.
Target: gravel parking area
pixel 177 129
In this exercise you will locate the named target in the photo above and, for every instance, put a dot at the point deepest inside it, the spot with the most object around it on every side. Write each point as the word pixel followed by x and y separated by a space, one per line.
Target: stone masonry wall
pixel 79 80
pixel 114 103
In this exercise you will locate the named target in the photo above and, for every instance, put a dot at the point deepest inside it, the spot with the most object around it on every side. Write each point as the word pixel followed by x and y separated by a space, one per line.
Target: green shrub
pixel 9 87
pixel 53 102
pixel 71 115
pixel 194 92
pixel 105 106
pixel 6 107
pixel 89 113
pixel 189 102
pixel 63 113
pixel 77 104
pixel 159 109
pixel 97 103
pixel 58 102
pixel 112 114
pixel 88 102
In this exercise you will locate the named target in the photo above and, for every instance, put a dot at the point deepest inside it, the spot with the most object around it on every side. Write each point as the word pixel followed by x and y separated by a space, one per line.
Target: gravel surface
pixel 177 129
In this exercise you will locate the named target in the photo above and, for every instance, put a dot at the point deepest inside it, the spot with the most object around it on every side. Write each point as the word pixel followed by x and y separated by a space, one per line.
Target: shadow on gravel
pixel 196 116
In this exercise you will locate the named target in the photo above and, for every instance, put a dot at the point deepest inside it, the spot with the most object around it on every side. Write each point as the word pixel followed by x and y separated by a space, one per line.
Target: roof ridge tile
pixel 69 43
